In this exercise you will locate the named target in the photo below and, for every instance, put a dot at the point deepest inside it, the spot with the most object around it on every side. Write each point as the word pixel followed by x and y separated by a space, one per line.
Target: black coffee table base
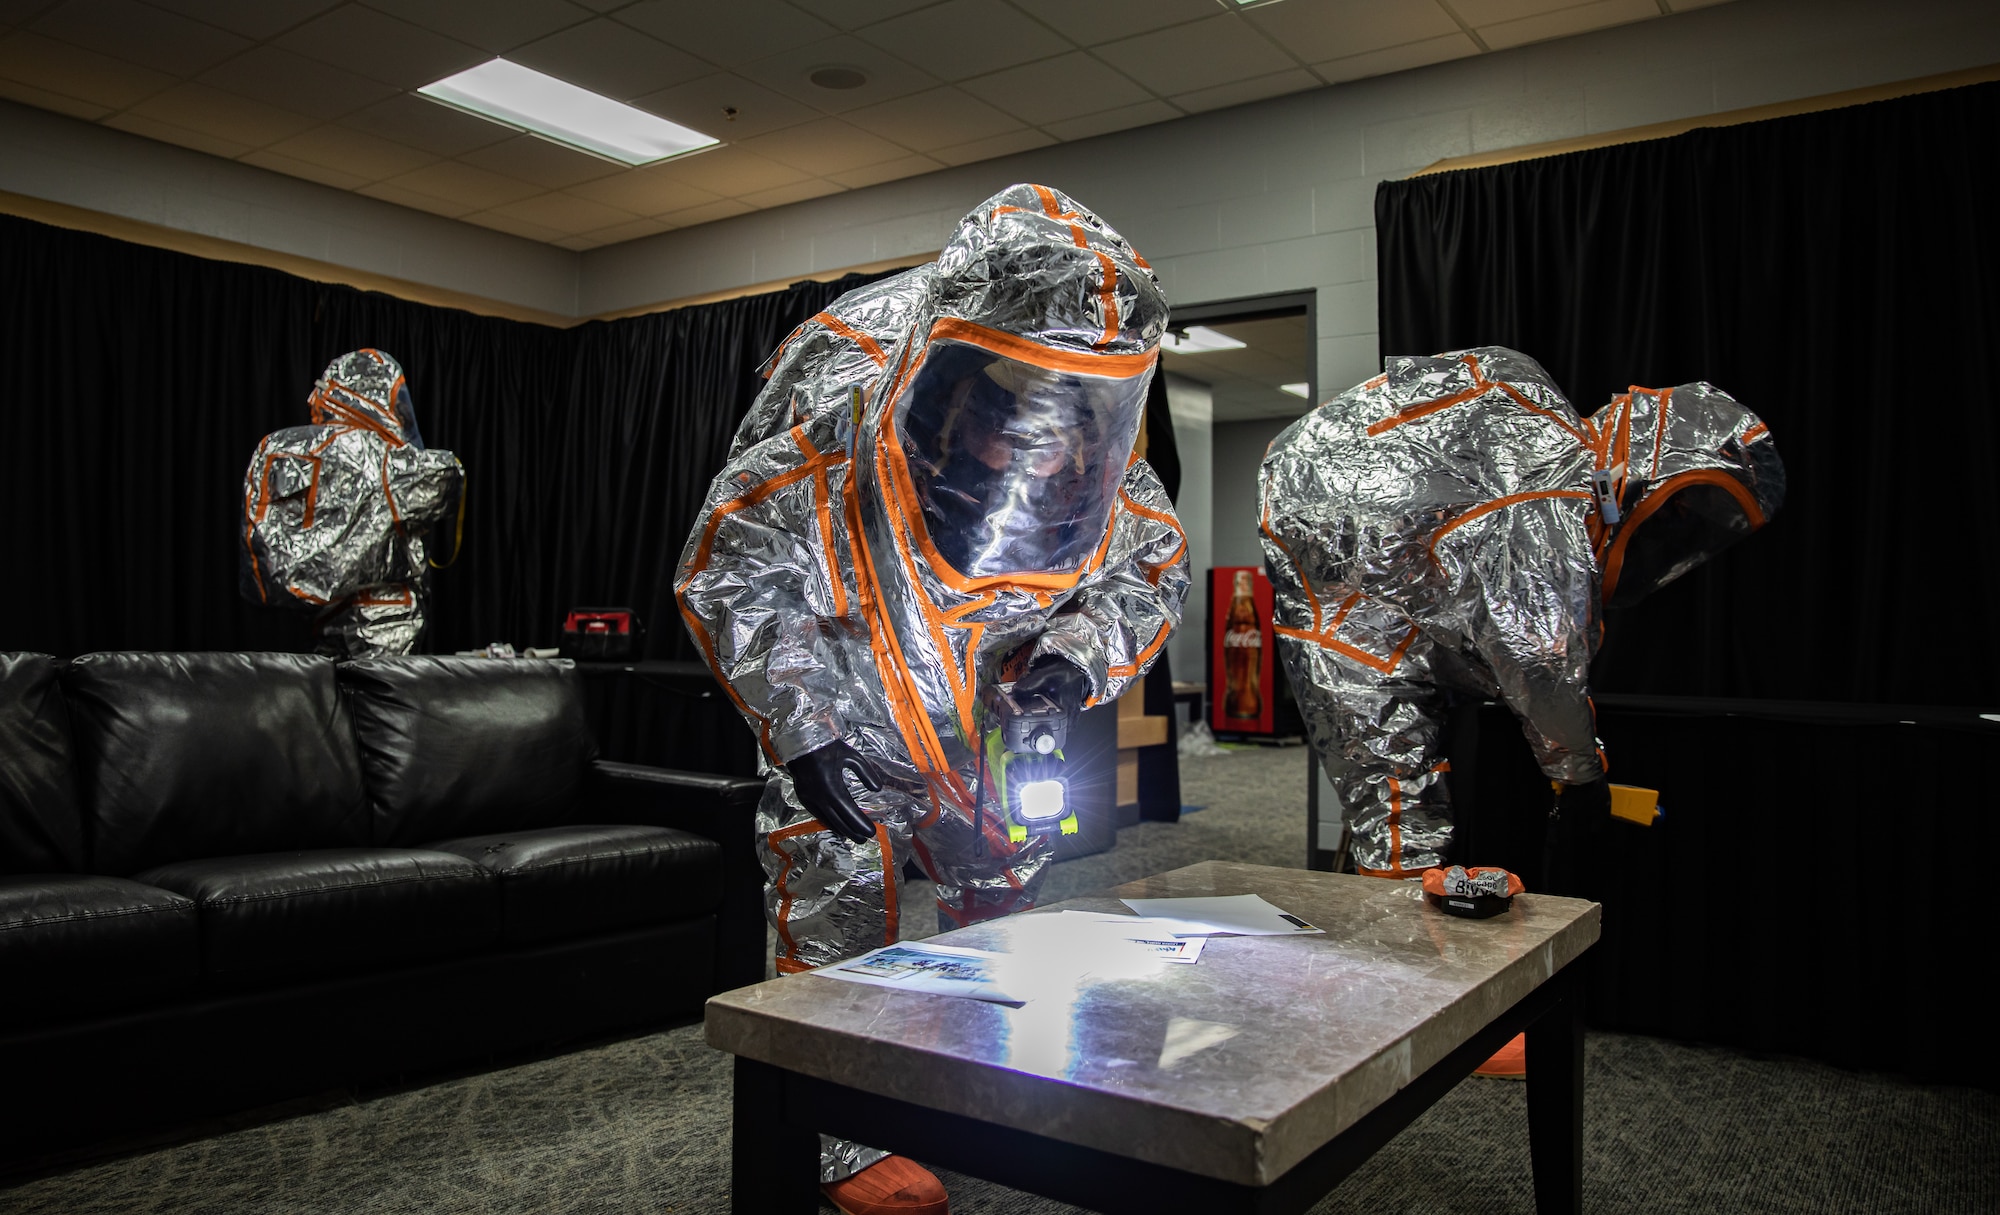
pixel 779 1116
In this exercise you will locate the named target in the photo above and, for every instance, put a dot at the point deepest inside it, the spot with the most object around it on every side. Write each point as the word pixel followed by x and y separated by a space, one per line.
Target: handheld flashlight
pixel 1024 762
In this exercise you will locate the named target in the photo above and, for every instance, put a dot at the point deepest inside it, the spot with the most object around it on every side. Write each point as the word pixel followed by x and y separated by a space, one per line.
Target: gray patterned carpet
pixel 642 1125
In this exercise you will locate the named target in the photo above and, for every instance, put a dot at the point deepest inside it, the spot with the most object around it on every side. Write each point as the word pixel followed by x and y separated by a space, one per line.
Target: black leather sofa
pixel 232 879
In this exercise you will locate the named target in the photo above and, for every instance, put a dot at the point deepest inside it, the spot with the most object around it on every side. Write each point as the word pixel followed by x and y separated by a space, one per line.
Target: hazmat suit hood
pixel 366 388
pixel 1020 391
pixel 1683 473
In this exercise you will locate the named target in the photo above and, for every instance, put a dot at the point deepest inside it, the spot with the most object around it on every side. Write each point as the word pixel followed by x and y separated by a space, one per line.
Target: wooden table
pixel 1253 1081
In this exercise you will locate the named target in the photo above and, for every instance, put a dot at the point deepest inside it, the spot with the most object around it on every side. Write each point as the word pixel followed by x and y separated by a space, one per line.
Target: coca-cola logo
pixel 1243 639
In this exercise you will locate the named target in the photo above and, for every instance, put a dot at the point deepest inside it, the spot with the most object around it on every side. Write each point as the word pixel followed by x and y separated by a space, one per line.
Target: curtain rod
pixel 1730 118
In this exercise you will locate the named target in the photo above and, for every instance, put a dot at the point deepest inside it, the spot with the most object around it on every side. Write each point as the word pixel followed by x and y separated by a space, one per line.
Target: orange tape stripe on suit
pixel 803 827
pixel 750 497
pixel 868 345
pixel 1487 508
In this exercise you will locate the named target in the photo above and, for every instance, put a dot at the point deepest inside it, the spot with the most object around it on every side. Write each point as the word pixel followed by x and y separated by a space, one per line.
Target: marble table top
pixel 1237 1067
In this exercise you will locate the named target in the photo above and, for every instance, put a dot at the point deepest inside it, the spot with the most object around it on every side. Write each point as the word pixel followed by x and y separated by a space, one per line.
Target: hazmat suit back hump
pixel 336 514
pixel 936 481
pixel 1451 527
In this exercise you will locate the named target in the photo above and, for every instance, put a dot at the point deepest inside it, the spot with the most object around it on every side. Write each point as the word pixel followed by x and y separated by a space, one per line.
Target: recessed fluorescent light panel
pixel 557 110
pixel 1297 390
pixel 1198 339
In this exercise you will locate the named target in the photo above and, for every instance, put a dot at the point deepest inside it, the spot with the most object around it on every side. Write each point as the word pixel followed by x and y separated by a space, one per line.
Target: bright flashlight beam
pixel 1042 799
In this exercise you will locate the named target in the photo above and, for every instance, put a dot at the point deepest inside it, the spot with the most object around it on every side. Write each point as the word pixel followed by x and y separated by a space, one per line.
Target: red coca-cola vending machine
pixel 1241 691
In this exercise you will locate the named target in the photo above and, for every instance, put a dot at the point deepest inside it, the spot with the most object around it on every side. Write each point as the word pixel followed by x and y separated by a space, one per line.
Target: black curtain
pixel 1839 273
pixel 136 383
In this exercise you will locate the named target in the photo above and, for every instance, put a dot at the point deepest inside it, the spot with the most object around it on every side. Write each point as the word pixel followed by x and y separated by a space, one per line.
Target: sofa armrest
pixel 720 808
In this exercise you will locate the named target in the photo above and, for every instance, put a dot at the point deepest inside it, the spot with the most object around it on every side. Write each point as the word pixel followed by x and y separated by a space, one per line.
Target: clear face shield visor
pixel 1687 528
pixel 1015 466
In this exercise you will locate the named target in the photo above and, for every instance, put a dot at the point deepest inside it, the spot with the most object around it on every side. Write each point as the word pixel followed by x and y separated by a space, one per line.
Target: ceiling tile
pixel 615 60
pixel 937 119
pixel 1201 55
pixel 730 172
pixel 42 99
pixel 853 14
pixel 265 158
pixel 566 213
pixel 515 226
pixel 167 42
pixel 167 132
pixel 961 38
pixel 992 146
pixel 222 115
pixel 728 33
pixel 259 19
pixel 381 47
pixel 824 147
pixel 538 162
pixel 708 213
pixel 1057 89
pixel 295 82
pixel 1332 29
pixel 1569 21
pixel 889 170
pixel 492 25
pixel 887 75
pixel 1122 118
pixel 779 196
pixel 701 104
pixel 1109 20
pixel 412 198
pixel 618 234
pixel 644 192
pixel 1397 58
pixel 1298 80
pixel 75 72
pixel 1493 12
pixel 349 151
pixel 425 124
pixel 455 182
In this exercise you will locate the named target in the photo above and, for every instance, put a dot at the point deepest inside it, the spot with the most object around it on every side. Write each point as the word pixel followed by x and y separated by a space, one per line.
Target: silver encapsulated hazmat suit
pixel 937 481
pixel 1452 526
pixel 335 514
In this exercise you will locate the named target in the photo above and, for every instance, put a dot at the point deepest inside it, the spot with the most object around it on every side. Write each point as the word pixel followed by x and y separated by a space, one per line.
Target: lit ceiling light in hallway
pixel 556 110
pixel 1198 339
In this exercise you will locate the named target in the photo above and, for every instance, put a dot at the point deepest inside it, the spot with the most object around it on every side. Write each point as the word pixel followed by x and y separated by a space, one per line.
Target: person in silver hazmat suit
pixel 935 490
pixel 1452 526
pixel 336 514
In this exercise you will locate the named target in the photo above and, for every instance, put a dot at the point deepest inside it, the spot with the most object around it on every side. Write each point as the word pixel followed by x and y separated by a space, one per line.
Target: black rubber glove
pixel 1574 822
pixel 1059 680
pixel 819 777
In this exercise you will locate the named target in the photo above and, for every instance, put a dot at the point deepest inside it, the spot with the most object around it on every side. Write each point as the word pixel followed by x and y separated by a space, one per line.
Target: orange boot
pixel 892 1185
pixel 1510 1062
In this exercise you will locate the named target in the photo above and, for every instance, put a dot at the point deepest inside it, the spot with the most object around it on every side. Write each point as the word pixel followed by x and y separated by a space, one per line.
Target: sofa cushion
pixel 457 746
pixel 74 945
pixel 41 830
pixel 571 881
pixel 336 911
pixel 199 755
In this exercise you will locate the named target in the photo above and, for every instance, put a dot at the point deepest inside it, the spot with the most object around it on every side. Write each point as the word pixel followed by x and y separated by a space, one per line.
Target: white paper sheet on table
pixel 1154 937
pixel 939 969
pixel 1244 915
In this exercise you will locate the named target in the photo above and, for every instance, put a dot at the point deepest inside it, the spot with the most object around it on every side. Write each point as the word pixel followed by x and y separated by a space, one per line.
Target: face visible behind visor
pixel 1015 465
